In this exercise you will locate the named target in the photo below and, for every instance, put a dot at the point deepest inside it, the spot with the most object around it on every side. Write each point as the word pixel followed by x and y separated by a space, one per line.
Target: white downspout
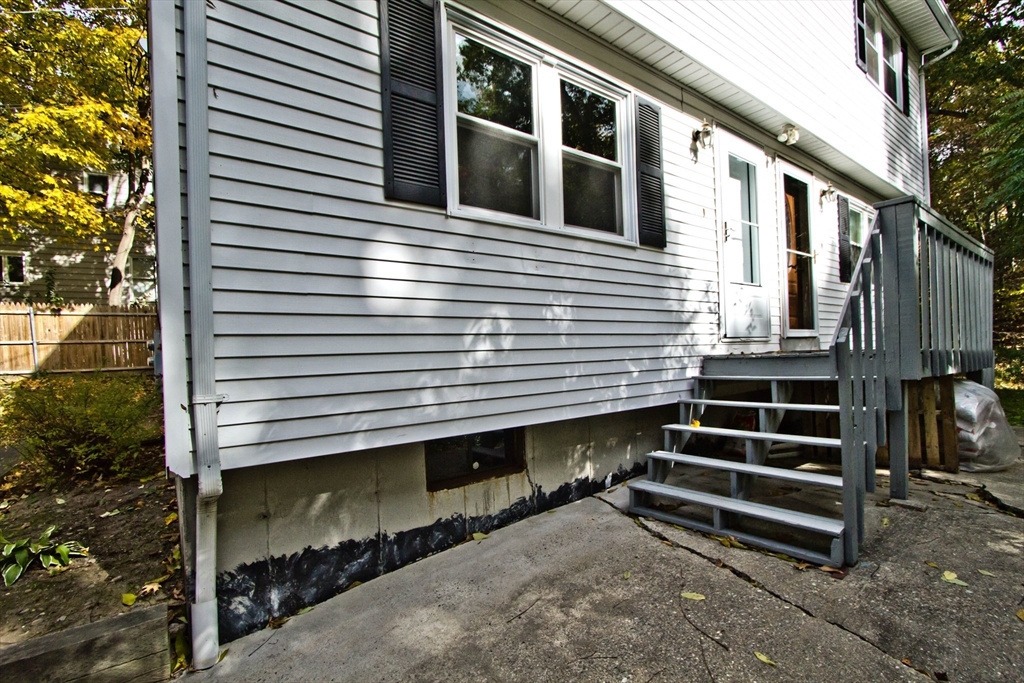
pixel 205 634
pixel 925 63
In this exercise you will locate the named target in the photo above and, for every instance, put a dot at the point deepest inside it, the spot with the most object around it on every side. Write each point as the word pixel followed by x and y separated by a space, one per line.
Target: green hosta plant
pixel 18 555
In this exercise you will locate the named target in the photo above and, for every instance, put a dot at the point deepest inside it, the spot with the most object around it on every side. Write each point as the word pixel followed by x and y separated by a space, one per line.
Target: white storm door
pixel 745 300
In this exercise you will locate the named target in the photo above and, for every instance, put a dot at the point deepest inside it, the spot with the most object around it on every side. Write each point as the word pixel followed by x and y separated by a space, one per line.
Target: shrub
pixel 77 426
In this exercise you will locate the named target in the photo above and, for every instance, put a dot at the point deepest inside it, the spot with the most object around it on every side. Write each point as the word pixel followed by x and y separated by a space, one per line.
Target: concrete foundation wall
pixel 293 534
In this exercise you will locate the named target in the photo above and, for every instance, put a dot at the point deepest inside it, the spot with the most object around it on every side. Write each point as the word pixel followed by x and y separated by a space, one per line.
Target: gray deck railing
pixel 919 305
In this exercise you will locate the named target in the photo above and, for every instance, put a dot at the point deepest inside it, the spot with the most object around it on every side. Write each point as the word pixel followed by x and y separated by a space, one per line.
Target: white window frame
pixel 549 69
pixel 875 42
pixel 869 215
pixel 783 169
pixel 5 269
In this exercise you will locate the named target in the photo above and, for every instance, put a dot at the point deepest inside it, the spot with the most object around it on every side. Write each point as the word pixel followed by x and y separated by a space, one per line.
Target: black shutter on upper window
pixel 845 252
pixel 861 34
pixel 905 49
pixel 650 174
pixel 412 101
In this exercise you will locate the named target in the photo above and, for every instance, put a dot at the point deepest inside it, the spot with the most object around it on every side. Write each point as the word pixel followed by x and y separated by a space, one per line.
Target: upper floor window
pixel 882 53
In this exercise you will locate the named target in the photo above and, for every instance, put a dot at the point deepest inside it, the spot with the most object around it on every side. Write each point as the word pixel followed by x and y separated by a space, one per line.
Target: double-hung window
pixel 12 269
pixel 536 140
pixel 882 53
pixel 493 126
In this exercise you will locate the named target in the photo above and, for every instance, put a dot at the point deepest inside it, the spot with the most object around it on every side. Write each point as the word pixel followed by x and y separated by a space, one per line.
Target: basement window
pixel 470 458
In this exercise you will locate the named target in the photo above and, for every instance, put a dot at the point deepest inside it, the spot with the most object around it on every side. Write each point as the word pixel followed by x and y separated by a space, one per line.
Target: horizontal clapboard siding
pixel 797 59
pixel 343 321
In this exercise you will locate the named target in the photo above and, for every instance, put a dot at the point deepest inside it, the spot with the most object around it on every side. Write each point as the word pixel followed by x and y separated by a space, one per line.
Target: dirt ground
pixel 132 537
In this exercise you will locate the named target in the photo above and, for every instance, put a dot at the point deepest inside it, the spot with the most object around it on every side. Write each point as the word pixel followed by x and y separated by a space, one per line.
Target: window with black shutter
pixel 531 138
pixel 650 175
pixel 845 253
pixel 882 53
pixel 412 101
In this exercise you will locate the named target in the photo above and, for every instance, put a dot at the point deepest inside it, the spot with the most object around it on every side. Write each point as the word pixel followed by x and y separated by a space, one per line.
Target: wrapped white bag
pixel 986 440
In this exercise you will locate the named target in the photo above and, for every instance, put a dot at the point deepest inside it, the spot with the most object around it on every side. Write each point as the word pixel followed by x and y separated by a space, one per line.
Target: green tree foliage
pixel 74 88
pixel 976 115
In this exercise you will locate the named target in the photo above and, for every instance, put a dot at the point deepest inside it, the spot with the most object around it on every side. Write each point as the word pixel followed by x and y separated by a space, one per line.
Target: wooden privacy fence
pixel 76 338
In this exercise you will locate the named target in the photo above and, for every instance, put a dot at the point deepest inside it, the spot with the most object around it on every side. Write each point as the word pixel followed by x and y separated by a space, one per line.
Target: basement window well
pixel 470 458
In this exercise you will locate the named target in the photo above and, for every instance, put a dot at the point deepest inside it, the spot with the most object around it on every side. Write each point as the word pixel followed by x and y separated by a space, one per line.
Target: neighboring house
pixel 79 272
pixel 437 270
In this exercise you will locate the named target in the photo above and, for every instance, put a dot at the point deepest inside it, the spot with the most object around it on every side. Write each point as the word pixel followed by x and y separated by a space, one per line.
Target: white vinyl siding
pixel 796 59
pixel 343 321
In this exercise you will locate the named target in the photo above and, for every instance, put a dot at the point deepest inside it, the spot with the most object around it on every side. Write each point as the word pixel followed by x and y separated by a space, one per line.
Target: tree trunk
pixel 115 293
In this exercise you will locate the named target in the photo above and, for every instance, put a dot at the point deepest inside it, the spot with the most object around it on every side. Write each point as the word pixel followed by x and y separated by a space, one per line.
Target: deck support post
pixel 899 461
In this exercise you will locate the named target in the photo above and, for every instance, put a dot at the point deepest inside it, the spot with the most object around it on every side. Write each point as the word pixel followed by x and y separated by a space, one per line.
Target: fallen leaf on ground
pixel 354 584
pixel 278 622
pixel 111 513
pixel 985 572
pixel 626 575
pixel 764 658
pixel 832 570
pixel 885 522
pixel 932 564
pixel 478 536
pixel 305 610
pixel 160 579
pixel 802 565
pixel 149 589
pixel 692 596
pixel 128 599
pixel 959 505
pixel 950 577
pixel 60 501
pixel 170 519
pixel 223 655
pixel 1020 614
pixel 975 497
pixel 906 660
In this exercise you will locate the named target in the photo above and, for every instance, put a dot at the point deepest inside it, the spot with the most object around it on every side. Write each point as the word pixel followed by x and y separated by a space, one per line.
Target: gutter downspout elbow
pixel 205 630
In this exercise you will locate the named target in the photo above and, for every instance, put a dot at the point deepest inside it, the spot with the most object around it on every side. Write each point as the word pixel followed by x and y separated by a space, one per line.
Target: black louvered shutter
pixel 845 253
pixel 650 174
pixel 862 39
pixel 413 106
pixel 906 75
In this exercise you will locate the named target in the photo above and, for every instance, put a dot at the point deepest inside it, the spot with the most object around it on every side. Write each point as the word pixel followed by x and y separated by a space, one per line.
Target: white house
pixel 47 268
pixel 429 266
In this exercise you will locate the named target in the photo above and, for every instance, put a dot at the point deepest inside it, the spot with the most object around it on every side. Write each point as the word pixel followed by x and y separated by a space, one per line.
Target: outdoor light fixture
pixel 789 135
pixel 702 135
pixel 828 194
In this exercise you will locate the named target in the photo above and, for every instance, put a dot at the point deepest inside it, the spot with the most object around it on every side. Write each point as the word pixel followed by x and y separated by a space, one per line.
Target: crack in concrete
pixel 721 564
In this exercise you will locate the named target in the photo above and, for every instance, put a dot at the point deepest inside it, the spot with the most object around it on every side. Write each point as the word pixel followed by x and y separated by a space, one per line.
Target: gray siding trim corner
pixel 170 273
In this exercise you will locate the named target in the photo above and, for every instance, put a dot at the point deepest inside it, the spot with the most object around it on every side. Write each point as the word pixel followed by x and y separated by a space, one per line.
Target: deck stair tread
pixel 752 539
pixel 801 439
pixel 814 478
pixel 800 520
pixel 809 407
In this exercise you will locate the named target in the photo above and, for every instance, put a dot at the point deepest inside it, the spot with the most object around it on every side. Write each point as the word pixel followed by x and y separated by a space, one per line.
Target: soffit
pixel 613 22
